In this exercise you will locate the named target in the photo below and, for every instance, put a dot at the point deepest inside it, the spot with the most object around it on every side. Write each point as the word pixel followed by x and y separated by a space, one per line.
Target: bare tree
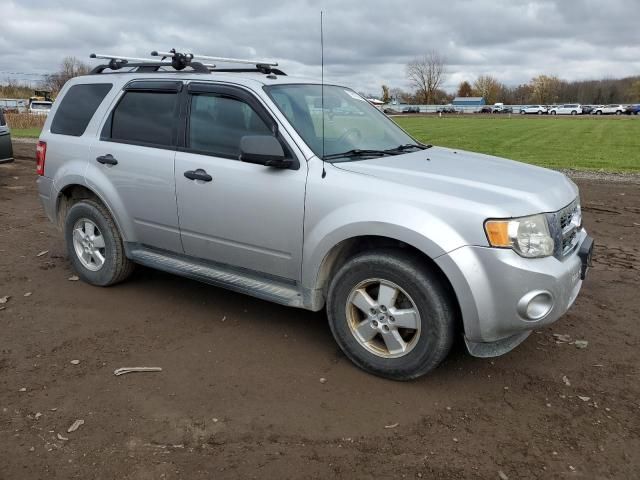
pixel 69 68
pixel 487 87
pixel 426 74
pixel 545 89
pixel 464 89
pixel 386 97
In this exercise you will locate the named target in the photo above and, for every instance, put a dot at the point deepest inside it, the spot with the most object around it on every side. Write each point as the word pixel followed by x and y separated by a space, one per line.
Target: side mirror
pixel 263 150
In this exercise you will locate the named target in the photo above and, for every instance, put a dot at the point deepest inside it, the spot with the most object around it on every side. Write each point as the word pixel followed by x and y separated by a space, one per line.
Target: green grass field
pixel 593 143
pixel 25 132
pixel 611 144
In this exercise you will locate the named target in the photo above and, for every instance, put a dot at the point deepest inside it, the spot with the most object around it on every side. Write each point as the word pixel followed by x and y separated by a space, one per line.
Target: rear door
pixel 133 161
pixel 248 216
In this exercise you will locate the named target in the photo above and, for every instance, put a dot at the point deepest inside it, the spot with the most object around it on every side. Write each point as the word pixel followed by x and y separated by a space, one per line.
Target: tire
pixel 553 112
pixel 104 240
pixel 599 112
pixel 419 290
pixel 573 112
pixel 618 112
pixel 522 112
pixel 539 112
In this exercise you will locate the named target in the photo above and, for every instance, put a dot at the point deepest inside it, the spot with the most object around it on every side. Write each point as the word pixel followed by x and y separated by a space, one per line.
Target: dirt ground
pixel 240 393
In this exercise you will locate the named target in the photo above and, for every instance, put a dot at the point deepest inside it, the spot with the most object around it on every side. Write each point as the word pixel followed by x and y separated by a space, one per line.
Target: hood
pixel 508 186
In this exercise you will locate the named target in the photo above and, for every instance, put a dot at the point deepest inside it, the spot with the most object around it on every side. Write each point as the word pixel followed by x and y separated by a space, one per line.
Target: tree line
pixel 426 75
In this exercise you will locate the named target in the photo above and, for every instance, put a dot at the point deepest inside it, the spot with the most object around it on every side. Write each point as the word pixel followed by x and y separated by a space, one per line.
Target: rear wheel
pixel 94 244
pixel 539 112
pixel 599 112
pixel 553 112
pixel 573 112
pixel 390 314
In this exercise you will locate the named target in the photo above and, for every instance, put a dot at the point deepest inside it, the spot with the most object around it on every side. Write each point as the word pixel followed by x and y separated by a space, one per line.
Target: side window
pixel 217 123
pixel 77 108
pixel 3 122
pixel 144 117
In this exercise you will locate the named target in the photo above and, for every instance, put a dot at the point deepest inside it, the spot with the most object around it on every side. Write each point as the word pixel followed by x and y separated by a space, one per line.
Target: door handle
pixel 107 159
pixel 198 174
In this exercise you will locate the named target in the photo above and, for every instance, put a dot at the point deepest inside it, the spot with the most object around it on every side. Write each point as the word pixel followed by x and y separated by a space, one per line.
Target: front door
pixel 235 213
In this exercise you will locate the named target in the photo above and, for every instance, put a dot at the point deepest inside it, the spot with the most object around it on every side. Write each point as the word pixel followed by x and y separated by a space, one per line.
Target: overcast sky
pixel 367 43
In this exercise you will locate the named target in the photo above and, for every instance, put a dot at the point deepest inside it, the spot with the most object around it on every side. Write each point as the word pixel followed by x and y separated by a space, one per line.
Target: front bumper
pixel 494 287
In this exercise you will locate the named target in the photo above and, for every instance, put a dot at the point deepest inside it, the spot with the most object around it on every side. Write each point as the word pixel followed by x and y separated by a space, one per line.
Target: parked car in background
pixel 537 109
pixel 566 109
pixel 446 109
pixel 412 109
pixel 587 109
pixel 633 109
pixel 41 107
pixel 503 109
pixel 611 109
pixel 486 109
pixel 406 254
pixel 6 149
pixel 13 105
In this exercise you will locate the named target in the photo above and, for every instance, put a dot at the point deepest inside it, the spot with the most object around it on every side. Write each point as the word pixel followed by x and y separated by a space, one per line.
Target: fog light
pixel 535 305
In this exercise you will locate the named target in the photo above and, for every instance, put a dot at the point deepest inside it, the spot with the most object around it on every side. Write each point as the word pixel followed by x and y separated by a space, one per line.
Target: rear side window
pixel 146 118
pixel 3 122
pixel 77 108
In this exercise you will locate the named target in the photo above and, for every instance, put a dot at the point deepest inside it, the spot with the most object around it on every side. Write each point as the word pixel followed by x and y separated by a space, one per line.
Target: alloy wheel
pixel 383 318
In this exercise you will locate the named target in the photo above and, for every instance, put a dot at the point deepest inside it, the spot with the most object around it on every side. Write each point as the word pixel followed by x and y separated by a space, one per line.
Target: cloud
pixel 366 43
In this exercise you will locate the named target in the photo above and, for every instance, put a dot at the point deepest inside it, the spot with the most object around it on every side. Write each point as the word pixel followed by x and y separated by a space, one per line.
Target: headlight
pixel 528 236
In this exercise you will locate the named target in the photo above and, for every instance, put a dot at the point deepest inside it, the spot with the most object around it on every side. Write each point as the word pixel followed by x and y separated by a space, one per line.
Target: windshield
pixel 40 106
pixel 350 122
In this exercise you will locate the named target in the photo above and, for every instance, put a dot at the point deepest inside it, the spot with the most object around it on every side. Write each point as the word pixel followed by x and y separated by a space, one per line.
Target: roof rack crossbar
pixel 179 61
pixel 261 65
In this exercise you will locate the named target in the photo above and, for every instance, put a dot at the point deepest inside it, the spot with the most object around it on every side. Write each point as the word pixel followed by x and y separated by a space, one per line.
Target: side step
pixel 243 281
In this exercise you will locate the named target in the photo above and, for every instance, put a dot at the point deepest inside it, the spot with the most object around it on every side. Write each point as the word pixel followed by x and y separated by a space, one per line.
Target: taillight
pixel 41 156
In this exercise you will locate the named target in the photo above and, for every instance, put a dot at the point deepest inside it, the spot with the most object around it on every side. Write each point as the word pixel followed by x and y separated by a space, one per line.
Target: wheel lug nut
pixel 374 323
pixel 383 308
pixel 385 328
pixel 372 311
pixel 391 319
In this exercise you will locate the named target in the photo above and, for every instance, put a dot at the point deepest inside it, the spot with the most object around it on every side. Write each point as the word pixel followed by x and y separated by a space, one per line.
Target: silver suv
pixel 306 195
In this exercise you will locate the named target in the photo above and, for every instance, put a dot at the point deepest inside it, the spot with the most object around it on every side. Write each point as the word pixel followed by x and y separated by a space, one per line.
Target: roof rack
pixel 180 61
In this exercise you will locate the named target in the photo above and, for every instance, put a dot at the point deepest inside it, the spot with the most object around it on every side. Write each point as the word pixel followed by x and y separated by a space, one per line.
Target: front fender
pixel 414 226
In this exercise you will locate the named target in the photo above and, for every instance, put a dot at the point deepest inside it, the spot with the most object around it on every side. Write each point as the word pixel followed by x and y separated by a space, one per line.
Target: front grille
pixel 565 224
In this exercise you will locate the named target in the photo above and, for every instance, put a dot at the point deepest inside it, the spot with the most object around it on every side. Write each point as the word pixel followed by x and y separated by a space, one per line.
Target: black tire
pixel 117 267
pixel 553 112
pixel 573 112
pixel 599 112
pixel 434 304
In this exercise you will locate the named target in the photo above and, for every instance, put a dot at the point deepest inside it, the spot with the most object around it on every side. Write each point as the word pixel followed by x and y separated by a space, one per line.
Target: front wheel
pixel 553 112
pixel 391 315
pixel 94 244
pixel 573 112
pixel 599 112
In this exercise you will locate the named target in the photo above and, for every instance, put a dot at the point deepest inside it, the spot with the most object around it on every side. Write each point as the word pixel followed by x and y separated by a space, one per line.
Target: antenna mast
pixel 324 172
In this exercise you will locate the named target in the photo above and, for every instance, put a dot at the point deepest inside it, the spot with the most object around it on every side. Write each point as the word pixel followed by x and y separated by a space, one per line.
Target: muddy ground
pixel 240 393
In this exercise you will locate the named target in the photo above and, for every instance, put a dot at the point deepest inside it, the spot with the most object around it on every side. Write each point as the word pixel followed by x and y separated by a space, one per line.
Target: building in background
pixel 468 102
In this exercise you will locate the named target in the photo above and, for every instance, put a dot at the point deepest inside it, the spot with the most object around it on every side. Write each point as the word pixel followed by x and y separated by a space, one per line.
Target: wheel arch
pixel 75 192
pixel 342 251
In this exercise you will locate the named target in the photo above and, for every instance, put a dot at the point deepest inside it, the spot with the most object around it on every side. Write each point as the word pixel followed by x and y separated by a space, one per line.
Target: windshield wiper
pixel 356 152
pixel 409 146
